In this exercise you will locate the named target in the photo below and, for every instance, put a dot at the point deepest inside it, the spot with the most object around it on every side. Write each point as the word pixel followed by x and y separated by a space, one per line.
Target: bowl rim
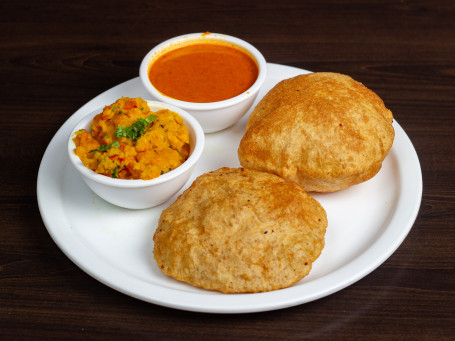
pixel 257 55
pixel 190 122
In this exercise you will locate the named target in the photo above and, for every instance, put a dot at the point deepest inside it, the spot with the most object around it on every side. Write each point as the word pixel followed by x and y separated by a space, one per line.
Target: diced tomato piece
pixel 130 105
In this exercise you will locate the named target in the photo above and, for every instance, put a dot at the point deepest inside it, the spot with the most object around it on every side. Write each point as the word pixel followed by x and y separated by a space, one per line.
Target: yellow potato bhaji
pixel 128 141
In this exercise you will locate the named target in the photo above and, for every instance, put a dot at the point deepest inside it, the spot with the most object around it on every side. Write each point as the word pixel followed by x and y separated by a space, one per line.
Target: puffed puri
pixel 236 230
pixel 323 130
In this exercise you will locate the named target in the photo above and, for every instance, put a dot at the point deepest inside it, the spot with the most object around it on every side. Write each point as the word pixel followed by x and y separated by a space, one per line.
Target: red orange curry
pixel 203 72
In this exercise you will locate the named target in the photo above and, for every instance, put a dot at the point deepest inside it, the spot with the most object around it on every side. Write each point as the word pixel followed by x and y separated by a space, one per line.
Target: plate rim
pixel 278 299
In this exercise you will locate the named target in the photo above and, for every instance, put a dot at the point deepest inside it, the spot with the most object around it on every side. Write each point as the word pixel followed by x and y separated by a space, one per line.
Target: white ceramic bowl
pixel 139 194
pixel 214 116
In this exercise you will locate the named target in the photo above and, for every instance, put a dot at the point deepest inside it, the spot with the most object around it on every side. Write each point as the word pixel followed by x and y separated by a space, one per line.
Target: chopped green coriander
pixel 106 147
pixel 136 129
pixel 115 172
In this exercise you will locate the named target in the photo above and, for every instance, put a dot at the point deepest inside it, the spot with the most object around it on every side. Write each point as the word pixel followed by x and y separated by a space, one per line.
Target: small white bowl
pixel 140 194
pixel 214 116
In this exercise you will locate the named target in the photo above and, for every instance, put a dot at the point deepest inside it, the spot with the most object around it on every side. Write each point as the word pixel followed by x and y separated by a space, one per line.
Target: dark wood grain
pixel 57 55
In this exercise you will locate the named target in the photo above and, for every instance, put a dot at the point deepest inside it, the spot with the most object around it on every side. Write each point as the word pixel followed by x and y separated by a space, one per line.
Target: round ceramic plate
pixel 367 222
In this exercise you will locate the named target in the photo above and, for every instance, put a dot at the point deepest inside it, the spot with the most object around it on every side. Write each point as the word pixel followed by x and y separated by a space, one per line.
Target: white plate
pixel 367 222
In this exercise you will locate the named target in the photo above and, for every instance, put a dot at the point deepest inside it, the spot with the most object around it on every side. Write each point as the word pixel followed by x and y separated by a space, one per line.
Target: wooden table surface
pixel 57 55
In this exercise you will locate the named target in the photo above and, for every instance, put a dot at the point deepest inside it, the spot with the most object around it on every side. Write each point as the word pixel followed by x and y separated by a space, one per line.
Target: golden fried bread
pixel 238 231
pixel 324 131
